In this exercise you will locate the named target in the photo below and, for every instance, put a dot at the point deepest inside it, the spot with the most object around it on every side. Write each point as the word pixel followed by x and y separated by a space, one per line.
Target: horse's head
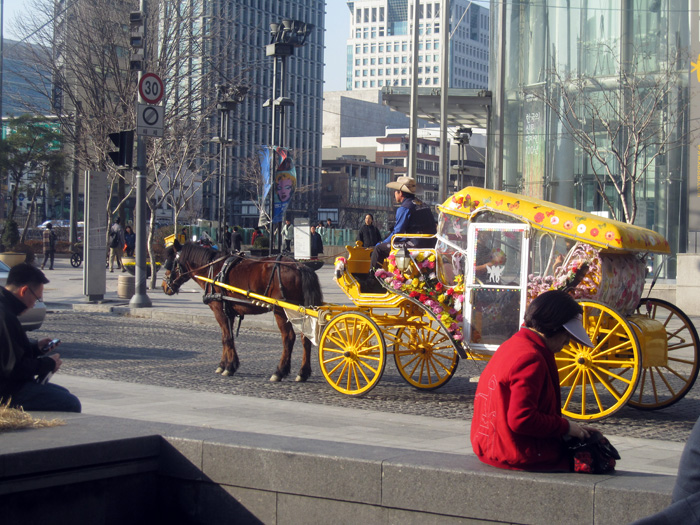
pixel 175 274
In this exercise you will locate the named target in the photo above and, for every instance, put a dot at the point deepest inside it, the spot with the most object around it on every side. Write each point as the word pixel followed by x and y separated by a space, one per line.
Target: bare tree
pixel 624 119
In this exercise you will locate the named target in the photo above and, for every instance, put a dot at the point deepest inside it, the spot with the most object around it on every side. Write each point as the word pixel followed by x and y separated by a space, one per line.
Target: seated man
pixel 412 216
pixel 22 361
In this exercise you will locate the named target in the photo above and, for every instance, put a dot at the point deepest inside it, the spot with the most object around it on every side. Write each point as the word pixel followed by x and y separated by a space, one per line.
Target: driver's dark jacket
pixel 20 358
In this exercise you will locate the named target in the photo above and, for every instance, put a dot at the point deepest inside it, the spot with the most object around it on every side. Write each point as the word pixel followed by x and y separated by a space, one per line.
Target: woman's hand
pixel 578 431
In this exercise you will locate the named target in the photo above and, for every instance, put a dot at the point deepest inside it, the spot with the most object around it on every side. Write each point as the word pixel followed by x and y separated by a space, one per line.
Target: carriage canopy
pixel 591 229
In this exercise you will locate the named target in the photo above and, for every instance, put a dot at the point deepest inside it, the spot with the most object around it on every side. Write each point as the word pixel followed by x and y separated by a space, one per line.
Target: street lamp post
pixel 228 97
pixel 285 36
pixel 462 137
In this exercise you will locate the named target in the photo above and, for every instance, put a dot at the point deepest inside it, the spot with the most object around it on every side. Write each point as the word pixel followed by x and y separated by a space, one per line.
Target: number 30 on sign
pixel 151 88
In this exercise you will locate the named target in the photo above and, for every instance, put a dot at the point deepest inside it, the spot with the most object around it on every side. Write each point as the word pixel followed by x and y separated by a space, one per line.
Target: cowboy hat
pixel 406 184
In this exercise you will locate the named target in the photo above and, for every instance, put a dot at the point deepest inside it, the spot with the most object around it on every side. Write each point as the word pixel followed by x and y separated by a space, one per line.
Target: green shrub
pixel 261 242
pixel 10 236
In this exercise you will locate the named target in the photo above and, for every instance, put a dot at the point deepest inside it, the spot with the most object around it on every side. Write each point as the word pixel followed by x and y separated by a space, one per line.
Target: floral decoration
pixel 423 285
pixel 564 275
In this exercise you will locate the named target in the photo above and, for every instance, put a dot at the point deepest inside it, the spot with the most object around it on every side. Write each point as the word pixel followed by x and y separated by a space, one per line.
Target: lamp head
pixel 403 258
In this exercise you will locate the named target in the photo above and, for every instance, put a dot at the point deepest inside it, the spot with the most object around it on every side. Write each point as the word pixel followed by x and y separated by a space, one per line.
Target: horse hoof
pixel 299 379
pixel 218 370
pixel 275 378
pixel 225 373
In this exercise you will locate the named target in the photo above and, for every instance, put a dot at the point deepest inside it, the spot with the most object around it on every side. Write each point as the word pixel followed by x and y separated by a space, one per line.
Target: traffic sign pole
pixel 140 299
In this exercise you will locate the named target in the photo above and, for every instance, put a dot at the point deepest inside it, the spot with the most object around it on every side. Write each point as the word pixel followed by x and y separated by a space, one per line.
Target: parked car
pixel 33 318
pixel 56 223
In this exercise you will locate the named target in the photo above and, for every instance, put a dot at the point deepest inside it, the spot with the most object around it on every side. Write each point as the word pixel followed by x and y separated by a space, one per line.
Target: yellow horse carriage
pixel 494 252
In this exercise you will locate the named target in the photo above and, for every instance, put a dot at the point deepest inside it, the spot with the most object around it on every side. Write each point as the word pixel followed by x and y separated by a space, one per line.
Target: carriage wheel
pixel 661 386
pixel 597 382
pixel 75 260
pixel 352 353
pixel 424 355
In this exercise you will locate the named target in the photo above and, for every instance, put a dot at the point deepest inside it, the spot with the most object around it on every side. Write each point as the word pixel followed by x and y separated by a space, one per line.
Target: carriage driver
pixel 412 216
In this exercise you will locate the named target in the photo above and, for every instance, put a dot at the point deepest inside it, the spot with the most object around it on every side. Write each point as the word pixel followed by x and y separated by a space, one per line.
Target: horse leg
pixel 305 370
pixel 229 357
pixel 288 338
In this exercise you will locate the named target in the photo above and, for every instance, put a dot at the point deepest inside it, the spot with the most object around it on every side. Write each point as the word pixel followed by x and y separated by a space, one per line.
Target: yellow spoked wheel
pixel 597 382
pixel 424 355
pixel 661 386
pixel 352 353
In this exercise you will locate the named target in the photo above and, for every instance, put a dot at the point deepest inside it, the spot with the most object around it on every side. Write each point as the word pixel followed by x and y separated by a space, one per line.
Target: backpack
pixel 114 240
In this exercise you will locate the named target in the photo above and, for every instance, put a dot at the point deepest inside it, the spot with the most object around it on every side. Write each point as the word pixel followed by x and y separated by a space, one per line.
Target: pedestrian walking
pixel 49 245
pixel 116 245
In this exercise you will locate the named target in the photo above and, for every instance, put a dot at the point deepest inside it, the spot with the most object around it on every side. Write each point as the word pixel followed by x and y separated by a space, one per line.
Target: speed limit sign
pixel 151 88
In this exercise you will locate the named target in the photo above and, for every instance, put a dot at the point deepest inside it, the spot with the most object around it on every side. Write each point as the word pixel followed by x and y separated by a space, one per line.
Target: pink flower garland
pixel 422 284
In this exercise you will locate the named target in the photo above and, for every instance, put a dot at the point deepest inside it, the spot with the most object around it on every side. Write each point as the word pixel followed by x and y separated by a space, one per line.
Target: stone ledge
pixel 273 478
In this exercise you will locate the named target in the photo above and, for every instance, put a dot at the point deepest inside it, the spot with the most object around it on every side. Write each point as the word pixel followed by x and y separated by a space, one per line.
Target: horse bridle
pixel 173 285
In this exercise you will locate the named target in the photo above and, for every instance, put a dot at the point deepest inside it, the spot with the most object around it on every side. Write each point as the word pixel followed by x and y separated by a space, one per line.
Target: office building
pixel 247 24
pixel 379 51
pixel 537 46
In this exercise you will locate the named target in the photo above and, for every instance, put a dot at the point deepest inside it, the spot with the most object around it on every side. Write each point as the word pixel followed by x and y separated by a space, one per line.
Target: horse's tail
pixel 313 296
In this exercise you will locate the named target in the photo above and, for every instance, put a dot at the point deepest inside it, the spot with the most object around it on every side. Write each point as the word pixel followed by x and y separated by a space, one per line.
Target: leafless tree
pixel 624 119
pixel 81 60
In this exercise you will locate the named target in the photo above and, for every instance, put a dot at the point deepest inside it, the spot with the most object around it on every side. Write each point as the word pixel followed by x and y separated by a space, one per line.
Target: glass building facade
pixel 564 72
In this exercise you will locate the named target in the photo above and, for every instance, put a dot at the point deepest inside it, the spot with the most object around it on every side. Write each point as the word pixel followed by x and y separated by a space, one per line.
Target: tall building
pixel 247 23
pixel 379 51
pixel 18 65
pixel 608 48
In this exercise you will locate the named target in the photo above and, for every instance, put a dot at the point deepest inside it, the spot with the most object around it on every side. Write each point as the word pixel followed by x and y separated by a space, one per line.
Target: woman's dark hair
pixel 549 311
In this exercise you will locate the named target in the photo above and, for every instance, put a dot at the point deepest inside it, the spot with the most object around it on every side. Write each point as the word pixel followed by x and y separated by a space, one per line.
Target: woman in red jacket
pixel 517 420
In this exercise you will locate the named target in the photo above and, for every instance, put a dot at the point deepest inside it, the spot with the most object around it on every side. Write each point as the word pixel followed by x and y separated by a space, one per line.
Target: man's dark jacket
pixel 20 359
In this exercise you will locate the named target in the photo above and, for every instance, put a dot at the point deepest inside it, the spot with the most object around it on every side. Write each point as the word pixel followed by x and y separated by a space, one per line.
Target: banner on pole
pixel 285 183
pixel 285 180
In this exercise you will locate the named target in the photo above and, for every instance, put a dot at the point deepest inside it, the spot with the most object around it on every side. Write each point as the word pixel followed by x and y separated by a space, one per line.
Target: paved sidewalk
pixel 274 417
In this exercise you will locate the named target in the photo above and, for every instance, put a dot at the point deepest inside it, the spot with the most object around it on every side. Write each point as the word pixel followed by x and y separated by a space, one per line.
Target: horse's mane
pixel 197 255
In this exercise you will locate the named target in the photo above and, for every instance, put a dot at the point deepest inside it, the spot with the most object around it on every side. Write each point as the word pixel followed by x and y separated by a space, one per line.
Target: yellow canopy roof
pixel 543 215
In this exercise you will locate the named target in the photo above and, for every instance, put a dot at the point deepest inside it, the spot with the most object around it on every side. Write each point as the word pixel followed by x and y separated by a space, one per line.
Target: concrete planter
pixel 12 258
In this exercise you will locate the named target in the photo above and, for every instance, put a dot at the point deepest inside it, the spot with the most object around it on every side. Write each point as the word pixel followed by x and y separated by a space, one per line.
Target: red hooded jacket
pixel 517 421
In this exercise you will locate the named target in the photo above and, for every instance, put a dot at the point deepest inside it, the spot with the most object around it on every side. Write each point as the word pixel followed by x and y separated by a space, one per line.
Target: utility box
pixel 302 239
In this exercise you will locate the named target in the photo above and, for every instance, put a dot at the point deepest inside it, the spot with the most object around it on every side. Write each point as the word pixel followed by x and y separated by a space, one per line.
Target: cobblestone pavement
pixel 159 353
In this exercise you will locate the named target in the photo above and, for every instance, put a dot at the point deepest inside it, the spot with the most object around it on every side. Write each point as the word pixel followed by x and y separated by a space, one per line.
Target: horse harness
pixel 228 301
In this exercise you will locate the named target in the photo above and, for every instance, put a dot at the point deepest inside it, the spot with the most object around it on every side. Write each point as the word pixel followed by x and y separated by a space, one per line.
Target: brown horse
pixel 282 278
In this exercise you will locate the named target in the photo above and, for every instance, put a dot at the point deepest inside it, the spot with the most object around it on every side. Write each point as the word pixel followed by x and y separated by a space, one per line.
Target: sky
pixel 337 31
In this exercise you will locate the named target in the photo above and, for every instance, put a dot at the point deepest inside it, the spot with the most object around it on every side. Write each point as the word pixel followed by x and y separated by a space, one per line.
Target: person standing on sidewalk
pixel 116 244
pixel 369 234
pixel 49 243
pixel 23 363
pixel 316 243
pixel 129 241
pixel 287 235
pixel 236 240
